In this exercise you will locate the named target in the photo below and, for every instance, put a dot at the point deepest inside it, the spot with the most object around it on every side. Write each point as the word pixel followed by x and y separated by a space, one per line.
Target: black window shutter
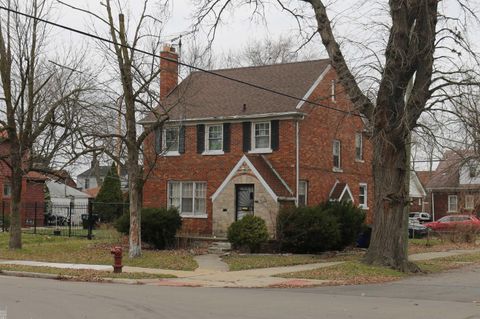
pixel 158 140
pixel 181 140
pixel 247 136
pixel 226 137
pixel 200 138
pixel 275 138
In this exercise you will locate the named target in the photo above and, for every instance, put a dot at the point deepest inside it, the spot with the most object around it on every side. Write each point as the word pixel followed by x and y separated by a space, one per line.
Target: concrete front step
pixel 219 247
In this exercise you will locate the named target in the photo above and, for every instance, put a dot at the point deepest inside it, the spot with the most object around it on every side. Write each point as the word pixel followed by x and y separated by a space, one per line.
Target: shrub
pixel 158 226
pixel 7 222
pixel 250 231
pixel 329 226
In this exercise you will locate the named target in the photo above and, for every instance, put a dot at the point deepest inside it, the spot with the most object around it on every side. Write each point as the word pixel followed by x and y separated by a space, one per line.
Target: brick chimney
pixel 168 71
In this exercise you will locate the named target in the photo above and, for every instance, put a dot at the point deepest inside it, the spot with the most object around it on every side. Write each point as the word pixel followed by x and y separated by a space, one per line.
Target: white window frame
pixel 164 141
pixel 450 202
pixel 469 199
pixel 208 151
pixel 339 167
pixel 363 205
pixel 191 214
pixel 255 149
pixel 334 90
pixel 86 183
pixel 357 157
pixel 305 188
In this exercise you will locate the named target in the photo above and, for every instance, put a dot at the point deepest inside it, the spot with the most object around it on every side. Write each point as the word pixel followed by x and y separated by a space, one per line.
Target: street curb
pixel 14 273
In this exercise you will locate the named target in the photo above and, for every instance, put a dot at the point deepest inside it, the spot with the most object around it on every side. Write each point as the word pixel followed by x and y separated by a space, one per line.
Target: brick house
pixel 418 195
pixel 229 149
pixel 454 187
pixel 33 193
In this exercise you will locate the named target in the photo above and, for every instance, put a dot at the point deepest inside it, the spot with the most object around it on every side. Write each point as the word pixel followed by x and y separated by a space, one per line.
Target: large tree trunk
pixel 391 173
pixel 135 241
pixel 15 241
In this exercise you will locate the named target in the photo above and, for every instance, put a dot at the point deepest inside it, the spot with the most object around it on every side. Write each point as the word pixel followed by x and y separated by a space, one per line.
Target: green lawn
pixel 354 272
pixel 242 262
pixel 97 251
pixel 81 274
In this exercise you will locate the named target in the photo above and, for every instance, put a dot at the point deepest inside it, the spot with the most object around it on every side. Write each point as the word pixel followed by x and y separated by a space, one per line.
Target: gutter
pixel 297 161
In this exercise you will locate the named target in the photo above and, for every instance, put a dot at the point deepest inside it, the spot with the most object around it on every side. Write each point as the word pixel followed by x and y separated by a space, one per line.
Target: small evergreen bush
pixel 109 202
pixel 158 226
pixel 250 231
pixel 6 218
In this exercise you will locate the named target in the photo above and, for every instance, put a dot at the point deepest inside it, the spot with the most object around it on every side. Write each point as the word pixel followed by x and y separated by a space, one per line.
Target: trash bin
pixel 363 240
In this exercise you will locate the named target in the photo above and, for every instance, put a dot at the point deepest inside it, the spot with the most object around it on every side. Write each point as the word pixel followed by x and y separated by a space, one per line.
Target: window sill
pixel 359 161
pixel 261 151
pixel 213 153
pixel 203 216
pixel 363 207
pixel 172 153
pixel 337 170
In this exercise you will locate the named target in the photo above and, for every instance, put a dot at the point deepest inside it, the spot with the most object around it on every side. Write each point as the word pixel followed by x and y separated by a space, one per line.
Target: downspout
pixel 297 161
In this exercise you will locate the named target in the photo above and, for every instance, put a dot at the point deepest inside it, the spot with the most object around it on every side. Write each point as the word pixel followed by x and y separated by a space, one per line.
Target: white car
pixel 420 216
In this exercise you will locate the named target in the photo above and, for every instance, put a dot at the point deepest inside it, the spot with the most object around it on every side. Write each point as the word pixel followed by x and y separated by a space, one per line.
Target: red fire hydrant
pixel 117 257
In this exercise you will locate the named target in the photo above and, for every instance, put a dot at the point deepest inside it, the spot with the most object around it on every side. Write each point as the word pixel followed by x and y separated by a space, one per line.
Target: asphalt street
pixel 454 294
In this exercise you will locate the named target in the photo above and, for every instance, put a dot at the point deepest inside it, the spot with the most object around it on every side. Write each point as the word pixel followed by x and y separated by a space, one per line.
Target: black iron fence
pixel 68 219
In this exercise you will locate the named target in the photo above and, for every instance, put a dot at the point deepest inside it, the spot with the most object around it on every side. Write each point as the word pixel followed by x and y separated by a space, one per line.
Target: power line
pixel 193 67
pixel 94 36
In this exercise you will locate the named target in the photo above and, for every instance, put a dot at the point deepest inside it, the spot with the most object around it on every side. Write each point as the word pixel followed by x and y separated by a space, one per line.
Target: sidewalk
pixel 213 272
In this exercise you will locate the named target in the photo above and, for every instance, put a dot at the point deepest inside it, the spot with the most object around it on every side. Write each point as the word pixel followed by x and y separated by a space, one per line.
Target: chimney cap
pixel 168 48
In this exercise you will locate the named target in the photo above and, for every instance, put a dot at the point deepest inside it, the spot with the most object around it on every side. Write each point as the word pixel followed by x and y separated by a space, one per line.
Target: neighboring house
pixel 64 197
pixel 418 194
pixel 33 185
pixel 454 186
pixel 87 179
pixel 229 149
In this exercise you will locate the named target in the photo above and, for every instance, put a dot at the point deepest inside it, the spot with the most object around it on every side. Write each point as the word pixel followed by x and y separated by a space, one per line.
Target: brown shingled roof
pixel 269 174
pixel 202 95
pixel 447 175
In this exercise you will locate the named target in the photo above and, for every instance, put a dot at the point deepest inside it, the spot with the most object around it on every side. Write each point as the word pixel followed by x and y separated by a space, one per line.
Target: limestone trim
pixel 233 172
pixel 314 86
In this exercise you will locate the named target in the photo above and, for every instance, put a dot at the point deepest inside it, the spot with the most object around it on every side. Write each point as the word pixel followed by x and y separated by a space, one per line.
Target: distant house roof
pixel 447 174
pixel 416 187
pixel 60 190
pixel 102 171
pixel 424 177
pixel 36 176
pixel 205 96
pixel 92 192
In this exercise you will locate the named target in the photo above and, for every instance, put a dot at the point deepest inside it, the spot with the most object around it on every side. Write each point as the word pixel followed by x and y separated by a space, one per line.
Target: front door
pixel 244 200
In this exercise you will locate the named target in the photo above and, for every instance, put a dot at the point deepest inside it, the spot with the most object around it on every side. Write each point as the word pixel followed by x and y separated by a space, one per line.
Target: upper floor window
pixel 363 195
pixel 452 203
pixel 302 193
pixel 171 139
pixel 87 183
pixel 188 197
pixel 358 146
pixel 337 147
pixel 7 190
pixel 214 138
pixel 472 170
pixel 261 135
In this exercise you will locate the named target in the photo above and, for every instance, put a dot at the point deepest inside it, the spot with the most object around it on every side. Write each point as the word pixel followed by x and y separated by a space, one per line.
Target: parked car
pixel 420 216
pixel 415 229
pixel 450 222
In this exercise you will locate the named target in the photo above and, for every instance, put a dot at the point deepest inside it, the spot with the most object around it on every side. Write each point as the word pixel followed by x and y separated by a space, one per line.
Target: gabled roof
pixel 102 170
pixel 205 96
pixel 339 191
pixel 60 190
pixel 264 172
pixel 447 174
pixel 416 187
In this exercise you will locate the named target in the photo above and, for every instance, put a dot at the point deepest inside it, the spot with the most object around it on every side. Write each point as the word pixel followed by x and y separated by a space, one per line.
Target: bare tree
pixel 38 99
pixel 135 72
pixel 417 64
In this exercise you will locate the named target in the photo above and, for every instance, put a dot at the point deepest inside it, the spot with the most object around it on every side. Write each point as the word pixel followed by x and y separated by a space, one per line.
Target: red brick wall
pixel 317 132
pixel 316 150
